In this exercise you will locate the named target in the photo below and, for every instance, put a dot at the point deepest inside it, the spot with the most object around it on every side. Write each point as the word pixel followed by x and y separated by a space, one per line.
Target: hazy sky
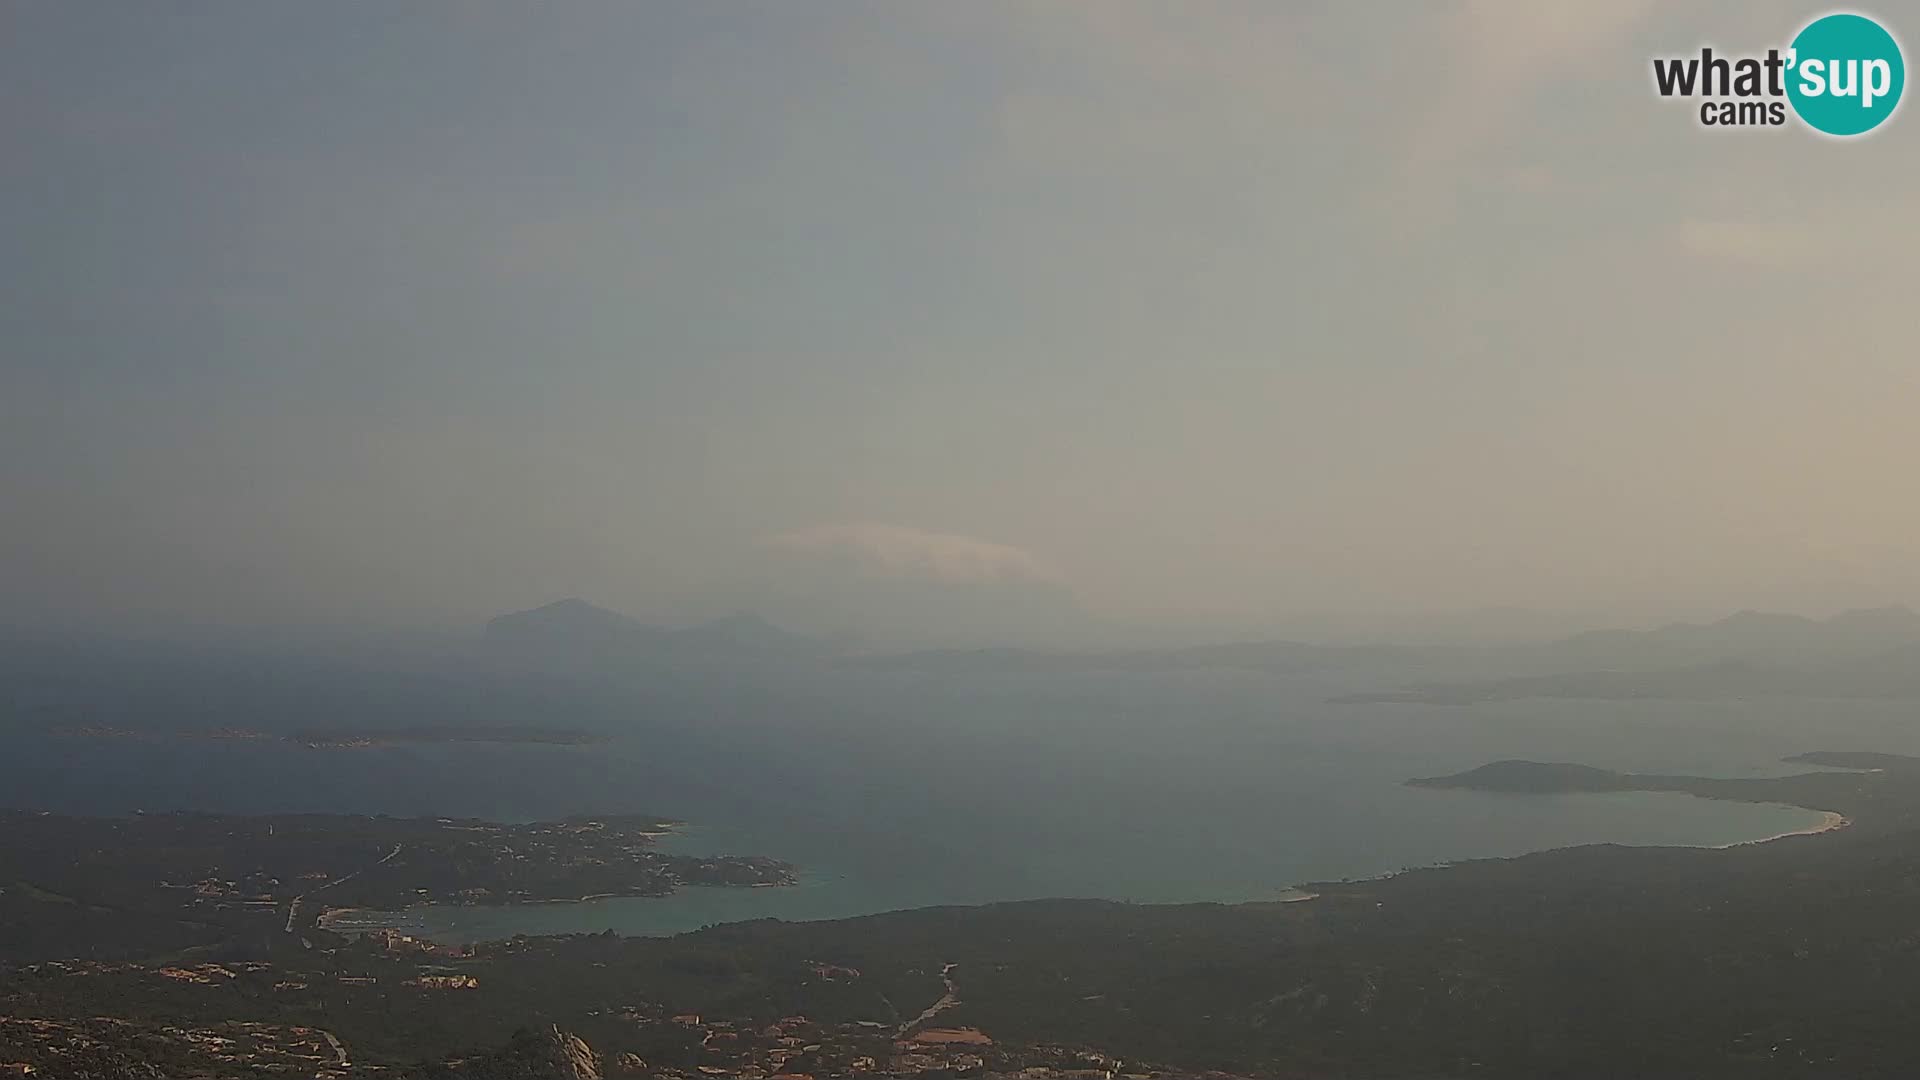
pixel 412 312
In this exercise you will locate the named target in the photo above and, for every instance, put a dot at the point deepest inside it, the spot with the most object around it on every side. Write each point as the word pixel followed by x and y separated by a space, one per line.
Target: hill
pixel 1752 636
pixel 1871 653
pixel 576 628
pixel 1271 656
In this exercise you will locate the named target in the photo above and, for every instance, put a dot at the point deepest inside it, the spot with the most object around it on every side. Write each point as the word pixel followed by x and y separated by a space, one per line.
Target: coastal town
pixel 653 1039
pixel 127 950
pixel 116 887
pixel 799 1048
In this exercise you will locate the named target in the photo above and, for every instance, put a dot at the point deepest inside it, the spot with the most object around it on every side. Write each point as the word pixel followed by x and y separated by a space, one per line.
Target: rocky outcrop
pixel 572 1058
pixel 552 1054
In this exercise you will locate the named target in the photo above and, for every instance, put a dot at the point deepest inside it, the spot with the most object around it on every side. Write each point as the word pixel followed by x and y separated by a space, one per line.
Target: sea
pixel 903 790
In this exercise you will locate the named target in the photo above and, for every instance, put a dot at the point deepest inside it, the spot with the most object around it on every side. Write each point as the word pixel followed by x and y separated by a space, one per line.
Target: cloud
pixel 896 551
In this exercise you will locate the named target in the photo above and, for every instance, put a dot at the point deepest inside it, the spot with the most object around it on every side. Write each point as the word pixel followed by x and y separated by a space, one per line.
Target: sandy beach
pixel 1829 821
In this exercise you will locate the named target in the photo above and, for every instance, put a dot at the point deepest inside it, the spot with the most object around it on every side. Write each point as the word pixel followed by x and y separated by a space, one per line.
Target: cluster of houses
pixel 796 1048
pixel 83 1047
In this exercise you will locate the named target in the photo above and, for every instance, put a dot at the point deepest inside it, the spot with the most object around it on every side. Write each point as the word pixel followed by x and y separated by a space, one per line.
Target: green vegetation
pixel 153 884
pixel 1794 958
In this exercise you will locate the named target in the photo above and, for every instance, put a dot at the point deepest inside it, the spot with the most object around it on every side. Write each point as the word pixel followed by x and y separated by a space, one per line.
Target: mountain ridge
pixel 574 626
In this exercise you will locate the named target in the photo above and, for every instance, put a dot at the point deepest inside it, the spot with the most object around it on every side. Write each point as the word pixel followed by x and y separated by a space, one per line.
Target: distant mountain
pixel 1727 679
pixel 1872 653
pixel 1754 636
pixel 1737 654
pixel 575 627
pixel 745 633
pixel 1529 777
pixel 572 620
pixel 1280 656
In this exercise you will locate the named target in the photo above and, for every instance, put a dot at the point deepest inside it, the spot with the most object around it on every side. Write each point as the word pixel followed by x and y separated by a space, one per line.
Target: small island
pixel 348 738
pixel 1871 791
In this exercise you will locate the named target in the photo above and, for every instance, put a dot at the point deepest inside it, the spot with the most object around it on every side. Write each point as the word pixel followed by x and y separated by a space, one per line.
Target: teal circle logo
pixel 1846 74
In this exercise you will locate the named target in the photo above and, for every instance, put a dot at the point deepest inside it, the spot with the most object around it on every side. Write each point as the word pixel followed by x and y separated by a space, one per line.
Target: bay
pixel 909 791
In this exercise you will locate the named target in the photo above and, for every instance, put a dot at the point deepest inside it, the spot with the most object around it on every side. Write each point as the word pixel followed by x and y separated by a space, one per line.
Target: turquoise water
pixel 1208 870
pixel 902 791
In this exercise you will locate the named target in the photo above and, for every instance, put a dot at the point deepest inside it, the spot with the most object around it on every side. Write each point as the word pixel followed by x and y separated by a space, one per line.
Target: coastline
pixel 429 918
pixel 478 922
pixel 327 916
pixel 361 919
pixel 382 919
pixel 1830 821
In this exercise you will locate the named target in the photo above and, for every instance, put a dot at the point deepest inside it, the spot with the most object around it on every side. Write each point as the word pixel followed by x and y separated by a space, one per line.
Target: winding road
pixel 947 1001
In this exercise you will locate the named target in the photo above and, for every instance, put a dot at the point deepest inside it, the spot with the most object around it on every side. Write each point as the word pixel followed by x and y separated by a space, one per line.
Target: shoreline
pixel 328 917
pixel 323 920
pixel 1830 821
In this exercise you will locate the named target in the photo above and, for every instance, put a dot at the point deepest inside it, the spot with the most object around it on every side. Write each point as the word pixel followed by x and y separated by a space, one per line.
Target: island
pixel 1880 791
pixel 339 738
pixel 347 738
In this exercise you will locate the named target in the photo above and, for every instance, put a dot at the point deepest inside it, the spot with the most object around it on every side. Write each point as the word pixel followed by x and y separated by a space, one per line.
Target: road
pixel 947 1001
pixel 293 906
pixel 339 1051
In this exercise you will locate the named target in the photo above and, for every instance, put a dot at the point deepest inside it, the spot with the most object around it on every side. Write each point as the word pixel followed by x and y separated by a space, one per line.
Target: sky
pixel 1207 314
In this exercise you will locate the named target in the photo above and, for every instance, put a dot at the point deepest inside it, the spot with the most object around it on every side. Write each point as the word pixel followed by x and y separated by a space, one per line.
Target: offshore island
pixel 343 738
